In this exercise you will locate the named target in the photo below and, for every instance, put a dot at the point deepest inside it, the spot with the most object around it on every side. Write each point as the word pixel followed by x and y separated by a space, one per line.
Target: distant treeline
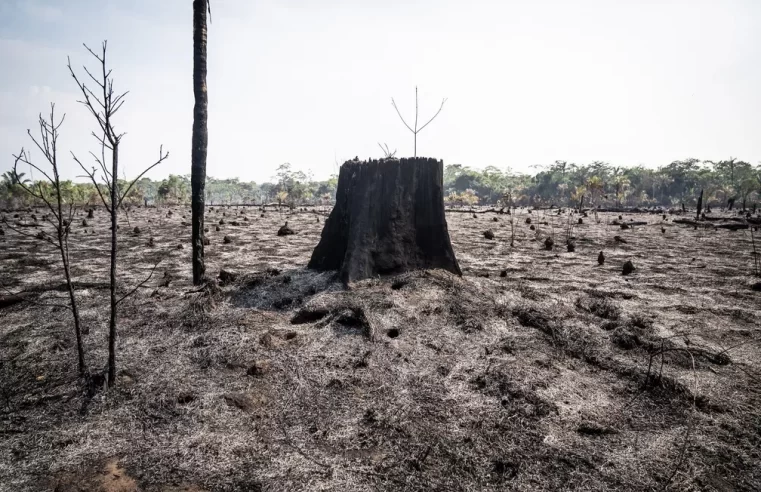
pixel 559 184
pixel 600 183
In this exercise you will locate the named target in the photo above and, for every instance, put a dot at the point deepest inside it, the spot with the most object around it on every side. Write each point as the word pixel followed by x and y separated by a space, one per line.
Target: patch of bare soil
pixel 537 370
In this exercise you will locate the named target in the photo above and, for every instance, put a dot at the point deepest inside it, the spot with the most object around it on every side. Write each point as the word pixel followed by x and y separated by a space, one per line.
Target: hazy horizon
pixel 308 82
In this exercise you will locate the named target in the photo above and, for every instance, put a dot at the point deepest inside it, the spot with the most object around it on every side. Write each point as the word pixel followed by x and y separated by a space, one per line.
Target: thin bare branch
pixel 85 91
pixel 39 194
pixel 162 157
pixel 434 116
pixel 118 99
pixel 45 237
pixel 91 176
pixel 92 77
pixel 117 107
pixel 416 110
pixel 27 162
pixel 141 284
pixel 106 173
pixel 30 301
pixel 101 60
pixel 91 94
pixel 393 103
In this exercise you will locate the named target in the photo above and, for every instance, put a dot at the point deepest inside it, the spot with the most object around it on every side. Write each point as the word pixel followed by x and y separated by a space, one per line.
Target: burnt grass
pixel 560 375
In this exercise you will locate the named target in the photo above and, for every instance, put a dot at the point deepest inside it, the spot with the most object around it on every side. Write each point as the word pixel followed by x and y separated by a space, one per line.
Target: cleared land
pixel 562 374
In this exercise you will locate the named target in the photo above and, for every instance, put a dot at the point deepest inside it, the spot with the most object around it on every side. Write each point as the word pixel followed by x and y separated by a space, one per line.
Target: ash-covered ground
pixel 537 370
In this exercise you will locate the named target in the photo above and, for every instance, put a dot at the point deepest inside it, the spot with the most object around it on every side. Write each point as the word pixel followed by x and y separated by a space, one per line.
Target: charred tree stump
pixel 700 205
pixel 388 218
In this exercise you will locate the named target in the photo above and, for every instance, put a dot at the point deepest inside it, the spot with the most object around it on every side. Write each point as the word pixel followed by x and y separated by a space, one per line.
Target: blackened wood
pixel 388 218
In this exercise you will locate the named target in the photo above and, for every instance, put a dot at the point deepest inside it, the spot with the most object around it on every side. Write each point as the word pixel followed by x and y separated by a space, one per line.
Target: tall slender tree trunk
pixel 114 226
pixel 416 113
pixel 63 247
pixel 200 136
pixel 77 323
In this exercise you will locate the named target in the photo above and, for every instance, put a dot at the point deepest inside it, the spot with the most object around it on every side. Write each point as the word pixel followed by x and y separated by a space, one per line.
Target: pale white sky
pixel 528 82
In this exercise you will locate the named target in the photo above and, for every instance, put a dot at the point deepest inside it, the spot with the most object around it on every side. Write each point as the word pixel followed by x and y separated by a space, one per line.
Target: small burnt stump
pixel 227 277
pixel 285 230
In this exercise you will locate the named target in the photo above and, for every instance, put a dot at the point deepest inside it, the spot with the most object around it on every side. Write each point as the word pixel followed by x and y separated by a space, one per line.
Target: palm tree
pixel 595 185
pixel 10 185
pixel 200 136
pixel 7 181
pixel 621 183
pixel 12 178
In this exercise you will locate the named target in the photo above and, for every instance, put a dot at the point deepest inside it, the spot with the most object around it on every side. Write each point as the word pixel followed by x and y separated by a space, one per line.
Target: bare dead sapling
pixel 103 103
pixel 414 129
pixel 61 214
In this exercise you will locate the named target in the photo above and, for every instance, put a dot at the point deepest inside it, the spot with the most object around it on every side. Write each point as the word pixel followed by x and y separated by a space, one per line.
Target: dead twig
pixel 141 284
pixel 415 130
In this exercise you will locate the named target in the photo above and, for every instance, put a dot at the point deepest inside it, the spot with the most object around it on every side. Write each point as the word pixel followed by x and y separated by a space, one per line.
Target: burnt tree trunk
pixel 200 138
pixel 112 320
pixel 388 218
